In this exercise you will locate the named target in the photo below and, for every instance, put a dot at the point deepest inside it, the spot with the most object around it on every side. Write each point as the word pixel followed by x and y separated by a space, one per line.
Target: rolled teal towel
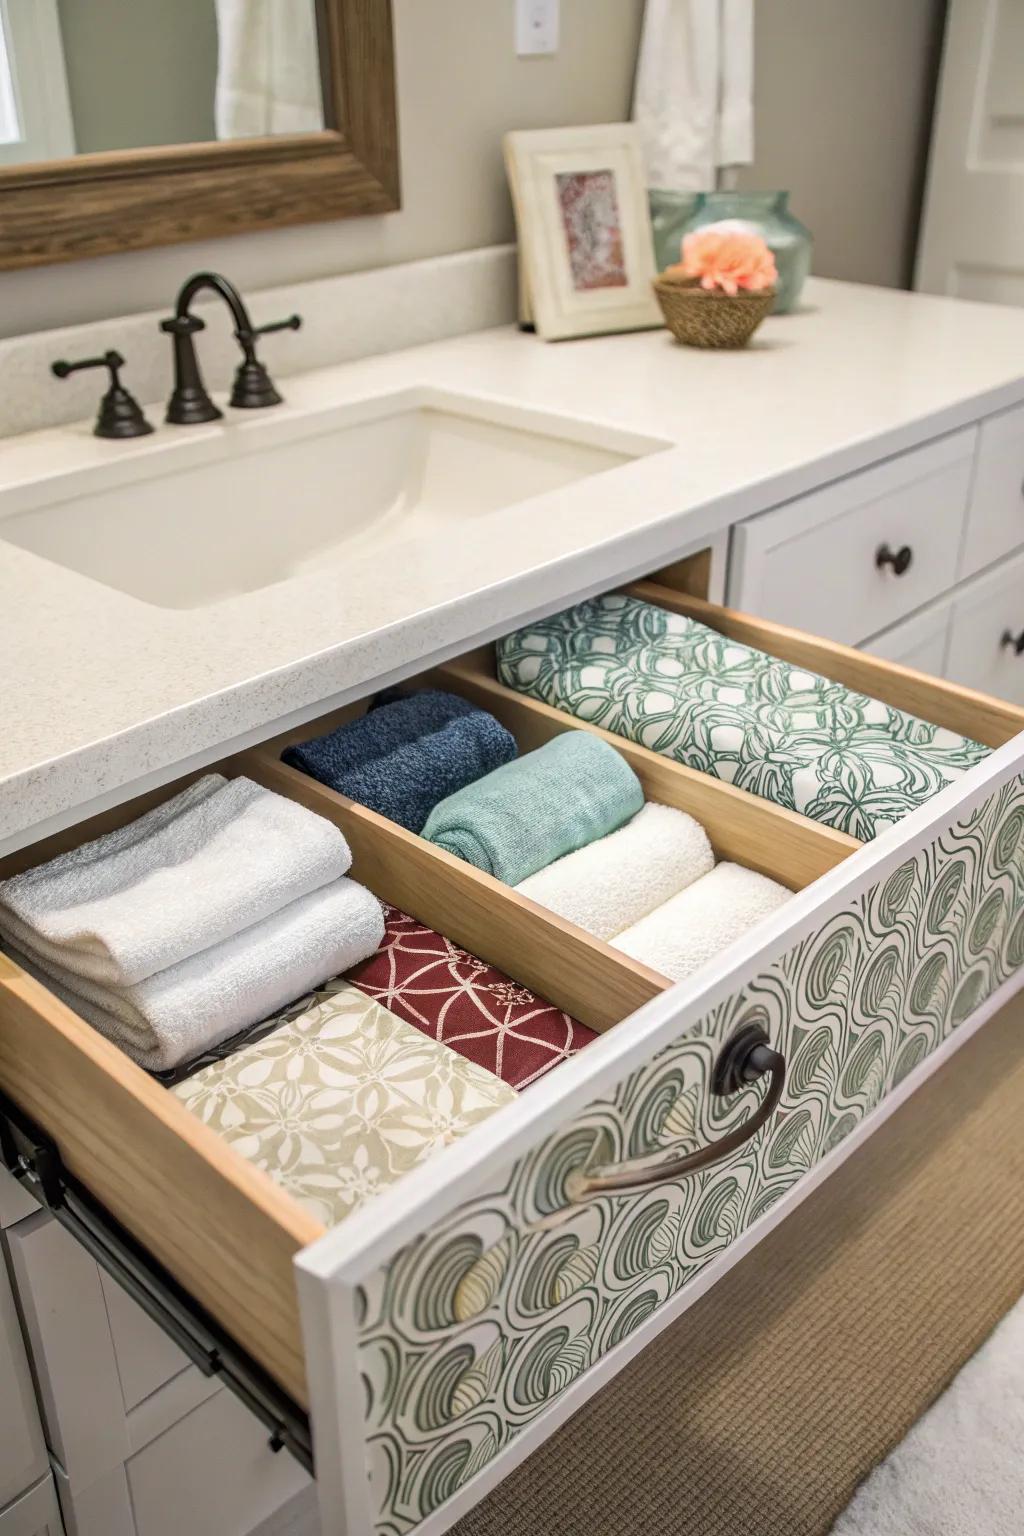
pixel 408 753
pixel 523 816
pixel 765 725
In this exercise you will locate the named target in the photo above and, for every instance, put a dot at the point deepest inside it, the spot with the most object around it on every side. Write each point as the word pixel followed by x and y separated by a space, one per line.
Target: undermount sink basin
pixel 265 501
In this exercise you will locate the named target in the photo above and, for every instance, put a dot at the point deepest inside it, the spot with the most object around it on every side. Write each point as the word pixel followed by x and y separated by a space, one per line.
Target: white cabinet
pixel 919 642
pixel 35 1513
pixel 995 523
pixel 147 1445
pixel 814 562
pixel 212 1474
pixel 987 620
pixel 22 1450
pixel 15 1201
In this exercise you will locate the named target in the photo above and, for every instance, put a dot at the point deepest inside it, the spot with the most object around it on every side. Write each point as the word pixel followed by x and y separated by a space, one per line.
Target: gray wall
pixel 841 93
pixel 139 71
pixel 843 96
pixel 460 86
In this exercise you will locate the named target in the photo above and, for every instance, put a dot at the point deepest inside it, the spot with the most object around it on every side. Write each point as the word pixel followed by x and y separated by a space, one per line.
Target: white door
pixel 972 237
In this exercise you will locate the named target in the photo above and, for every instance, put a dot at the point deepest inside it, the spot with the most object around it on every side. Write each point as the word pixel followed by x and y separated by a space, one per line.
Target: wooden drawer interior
pixel 225 1230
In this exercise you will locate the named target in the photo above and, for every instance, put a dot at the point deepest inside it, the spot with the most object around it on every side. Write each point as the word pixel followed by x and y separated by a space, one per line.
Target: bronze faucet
pixel 252 388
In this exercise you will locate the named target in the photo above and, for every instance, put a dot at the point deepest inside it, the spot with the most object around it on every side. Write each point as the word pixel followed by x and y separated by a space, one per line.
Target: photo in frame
pixel 586 252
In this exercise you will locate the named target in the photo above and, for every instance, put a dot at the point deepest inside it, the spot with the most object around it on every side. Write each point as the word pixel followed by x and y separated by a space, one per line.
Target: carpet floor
pixel 761 1410
pixel 960 1471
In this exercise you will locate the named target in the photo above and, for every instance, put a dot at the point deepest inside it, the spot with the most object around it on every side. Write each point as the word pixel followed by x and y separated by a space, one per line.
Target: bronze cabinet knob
pixel 899 560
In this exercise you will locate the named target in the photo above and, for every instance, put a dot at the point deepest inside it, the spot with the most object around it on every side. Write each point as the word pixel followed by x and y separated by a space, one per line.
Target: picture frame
pixel 586 250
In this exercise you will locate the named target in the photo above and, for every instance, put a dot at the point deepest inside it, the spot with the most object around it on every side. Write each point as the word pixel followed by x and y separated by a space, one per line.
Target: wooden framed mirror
pixel 317 141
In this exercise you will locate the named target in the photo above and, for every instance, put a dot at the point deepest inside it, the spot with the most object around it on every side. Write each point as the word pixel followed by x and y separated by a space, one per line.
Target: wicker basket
pixel 703 318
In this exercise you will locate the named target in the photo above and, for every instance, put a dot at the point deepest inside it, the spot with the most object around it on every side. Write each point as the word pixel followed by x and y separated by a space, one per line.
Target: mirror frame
pixel 129 200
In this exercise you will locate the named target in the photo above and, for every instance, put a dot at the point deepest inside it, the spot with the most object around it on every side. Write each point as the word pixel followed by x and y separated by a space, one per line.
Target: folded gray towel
pixel 182 1011
pixel 196 870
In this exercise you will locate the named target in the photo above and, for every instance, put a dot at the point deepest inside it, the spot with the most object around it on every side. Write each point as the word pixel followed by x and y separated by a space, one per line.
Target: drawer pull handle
pixel 1013 642
pixel 744 1057
pixel 899 559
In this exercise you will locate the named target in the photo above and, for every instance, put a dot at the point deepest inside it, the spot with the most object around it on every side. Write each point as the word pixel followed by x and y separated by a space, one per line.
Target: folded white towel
pixel 687 931
pixel 612 883
pixel 198 869
pixel 172 1016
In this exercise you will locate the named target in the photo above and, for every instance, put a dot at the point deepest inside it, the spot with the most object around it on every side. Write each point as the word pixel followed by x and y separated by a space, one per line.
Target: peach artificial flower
pixel 728 259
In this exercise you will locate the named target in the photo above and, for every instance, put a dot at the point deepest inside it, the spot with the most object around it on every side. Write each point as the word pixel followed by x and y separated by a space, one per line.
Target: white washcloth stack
pixel 652 890
pixel 204 916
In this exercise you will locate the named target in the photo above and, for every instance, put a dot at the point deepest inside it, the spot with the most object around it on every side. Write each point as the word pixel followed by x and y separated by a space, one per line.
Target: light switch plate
pixel 536 26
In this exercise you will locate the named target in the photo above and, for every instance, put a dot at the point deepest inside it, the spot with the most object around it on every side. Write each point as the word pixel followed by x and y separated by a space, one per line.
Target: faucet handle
pixel 120 414
pixel 291 324
pixel 253 386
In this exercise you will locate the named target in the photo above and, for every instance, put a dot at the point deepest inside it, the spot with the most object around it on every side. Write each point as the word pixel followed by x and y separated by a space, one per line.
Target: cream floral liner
pixel 340 1099
pixel 470 1333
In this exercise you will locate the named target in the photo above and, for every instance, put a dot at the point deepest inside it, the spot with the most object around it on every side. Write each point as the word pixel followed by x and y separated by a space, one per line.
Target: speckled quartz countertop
pixel 104 695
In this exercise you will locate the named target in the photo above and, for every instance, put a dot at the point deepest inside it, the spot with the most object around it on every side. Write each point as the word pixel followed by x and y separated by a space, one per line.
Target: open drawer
pixel 445 1328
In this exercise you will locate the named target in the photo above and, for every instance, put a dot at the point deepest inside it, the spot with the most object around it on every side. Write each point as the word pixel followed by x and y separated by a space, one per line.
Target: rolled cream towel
pixel 687 931
pixel 569 792
pixel 182 1011
pixel 198 869
pixel 611 884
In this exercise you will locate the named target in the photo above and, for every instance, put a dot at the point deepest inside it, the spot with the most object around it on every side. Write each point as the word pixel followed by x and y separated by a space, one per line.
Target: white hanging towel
pixel 268 70
pixel 693 94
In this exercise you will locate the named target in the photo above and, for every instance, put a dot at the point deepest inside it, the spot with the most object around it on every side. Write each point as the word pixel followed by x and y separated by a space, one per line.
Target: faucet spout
pixel 253 387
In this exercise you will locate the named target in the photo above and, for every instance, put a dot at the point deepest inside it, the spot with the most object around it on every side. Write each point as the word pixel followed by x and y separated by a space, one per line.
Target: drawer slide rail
pixel 35 1162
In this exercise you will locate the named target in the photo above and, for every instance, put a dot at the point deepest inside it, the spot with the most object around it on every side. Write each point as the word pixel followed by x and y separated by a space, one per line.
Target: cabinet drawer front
pixel 813 563
pixel 919 641
pixel 468 1335
pixel 995 521
pixel 22 1451
pixel 34 1514
pixel 987 623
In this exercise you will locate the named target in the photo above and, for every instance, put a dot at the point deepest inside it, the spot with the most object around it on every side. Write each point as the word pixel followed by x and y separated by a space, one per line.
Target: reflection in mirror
pixel 82 76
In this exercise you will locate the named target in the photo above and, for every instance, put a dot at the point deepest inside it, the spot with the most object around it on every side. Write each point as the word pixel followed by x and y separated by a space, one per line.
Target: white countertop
pixel 104 695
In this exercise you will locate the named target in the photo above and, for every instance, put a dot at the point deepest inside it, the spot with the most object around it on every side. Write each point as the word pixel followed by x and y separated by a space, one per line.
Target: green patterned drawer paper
pixel 472 1331
pixel 674 685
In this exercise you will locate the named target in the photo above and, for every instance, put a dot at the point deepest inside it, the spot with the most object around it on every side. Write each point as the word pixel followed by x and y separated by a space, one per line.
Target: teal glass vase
pixel 766 214
pixel 671 213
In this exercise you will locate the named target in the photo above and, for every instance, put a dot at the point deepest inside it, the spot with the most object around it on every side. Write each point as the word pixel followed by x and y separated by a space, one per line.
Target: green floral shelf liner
pixel 675 686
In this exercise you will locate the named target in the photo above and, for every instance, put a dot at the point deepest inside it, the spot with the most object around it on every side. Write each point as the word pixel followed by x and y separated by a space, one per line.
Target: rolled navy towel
pixel 609 885
pixel 688 930
pixel 407 753
pixel 571 791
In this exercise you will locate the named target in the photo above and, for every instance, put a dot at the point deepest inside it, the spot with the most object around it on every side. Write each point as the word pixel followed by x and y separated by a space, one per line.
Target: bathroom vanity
pixel 847 496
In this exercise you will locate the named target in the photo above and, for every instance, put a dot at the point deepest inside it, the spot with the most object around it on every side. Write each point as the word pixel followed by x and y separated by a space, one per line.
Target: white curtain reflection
pixel 268 74
pixel 10 130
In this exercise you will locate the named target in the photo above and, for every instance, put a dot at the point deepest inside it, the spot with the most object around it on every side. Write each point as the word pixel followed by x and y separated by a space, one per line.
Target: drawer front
pixel 995 521
pixel 212 1474
pixel 813 563
pixel 34 1514
pixel 985 614
pixel 15 1201
pixel 22 1451
pixel 469 1334
pixel 918 642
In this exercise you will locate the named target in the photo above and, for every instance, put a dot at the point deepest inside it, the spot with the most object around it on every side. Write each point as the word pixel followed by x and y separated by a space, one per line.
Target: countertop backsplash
pixel 343 318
